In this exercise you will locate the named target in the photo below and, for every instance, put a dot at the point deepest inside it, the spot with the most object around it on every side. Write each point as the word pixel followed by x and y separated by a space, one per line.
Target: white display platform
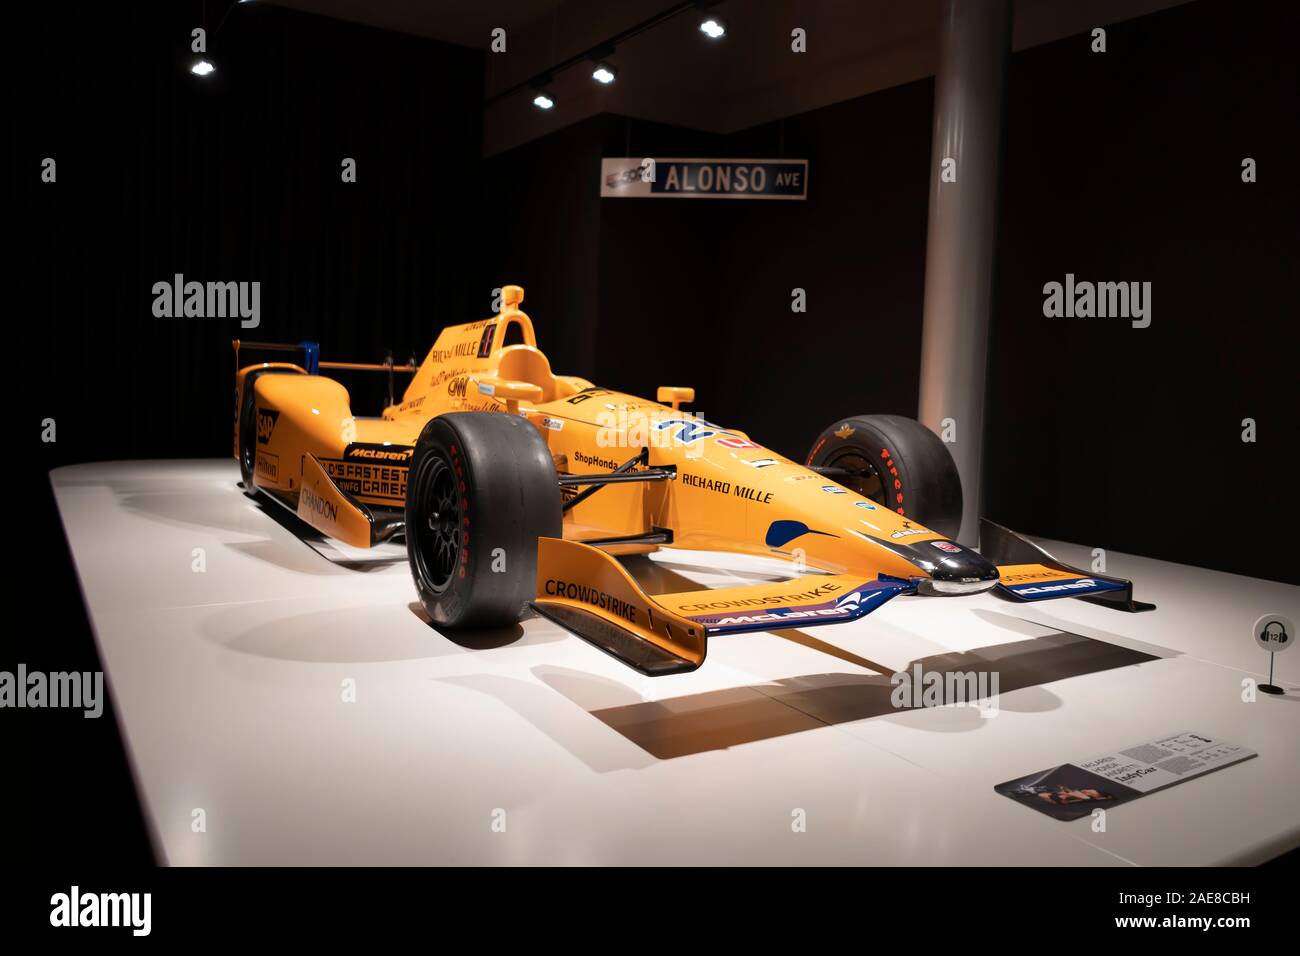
pixel 229 682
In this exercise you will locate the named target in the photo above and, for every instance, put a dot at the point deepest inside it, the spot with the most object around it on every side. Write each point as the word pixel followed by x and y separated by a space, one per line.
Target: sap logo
pixel 1052 588
pixel 266 419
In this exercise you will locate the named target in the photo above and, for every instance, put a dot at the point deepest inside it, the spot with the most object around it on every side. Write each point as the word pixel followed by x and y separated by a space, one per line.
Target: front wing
pixel 1029 573
pixel 588 592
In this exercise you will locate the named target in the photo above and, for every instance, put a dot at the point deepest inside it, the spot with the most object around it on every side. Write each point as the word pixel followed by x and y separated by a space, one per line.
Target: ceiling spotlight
pixel 603 73
pixel 542 96
pixel 713 27
pixel 202 68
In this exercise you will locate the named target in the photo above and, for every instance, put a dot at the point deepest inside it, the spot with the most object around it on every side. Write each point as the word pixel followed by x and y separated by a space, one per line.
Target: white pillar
pixel 975 40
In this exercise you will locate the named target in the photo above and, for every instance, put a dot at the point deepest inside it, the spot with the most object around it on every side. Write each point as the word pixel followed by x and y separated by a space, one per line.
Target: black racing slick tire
pixel 896 462
pixel 481 490
pixel 248 426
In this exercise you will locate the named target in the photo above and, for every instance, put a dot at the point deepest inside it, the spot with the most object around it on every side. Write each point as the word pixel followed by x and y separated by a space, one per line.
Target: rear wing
pixel 311 363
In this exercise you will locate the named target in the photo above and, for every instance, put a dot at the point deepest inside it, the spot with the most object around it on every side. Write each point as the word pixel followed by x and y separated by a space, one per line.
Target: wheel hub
pixel 440 547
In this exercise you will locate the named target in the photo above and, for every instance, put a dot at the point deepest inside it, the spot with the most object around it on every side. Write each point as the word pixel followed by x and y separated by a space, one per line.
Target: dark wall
pixel 233 177
pixel 855 246
pixel 236 176
pixel 542 218
pixel 1117 166
pixel 1127 166
pixel 1123 165
pixel 699 292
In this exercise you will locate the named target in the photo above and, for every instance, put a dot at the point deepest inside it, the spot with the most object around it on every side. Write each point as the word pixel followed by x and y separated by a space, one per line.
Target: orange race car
pixel 515 486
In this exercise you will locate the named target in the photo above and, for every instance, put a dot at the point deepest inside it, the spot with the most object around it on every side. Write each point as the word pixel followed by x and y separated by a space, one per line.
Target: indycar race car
pixel 513 486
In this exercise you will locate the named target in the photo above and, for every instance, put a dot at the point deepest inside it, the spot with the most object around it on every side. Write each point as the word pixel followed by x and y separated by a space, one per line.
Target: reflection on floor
pixel 714 720
pixel 717 719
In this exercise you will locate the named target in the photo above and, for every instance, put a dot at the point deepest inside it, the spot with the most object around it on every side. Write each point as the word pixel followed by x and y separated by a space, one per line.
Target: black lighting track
pixel 601 50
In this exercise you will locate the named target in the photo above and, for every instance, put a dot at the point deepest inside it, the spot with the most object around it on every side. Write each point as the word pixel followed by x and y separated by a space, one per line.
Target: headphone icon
pixel 1274 633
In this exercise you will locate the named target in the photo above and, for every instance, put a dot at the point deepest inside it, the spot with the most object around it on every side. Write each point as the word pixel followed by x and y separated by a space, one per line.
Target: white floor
pixel 229 686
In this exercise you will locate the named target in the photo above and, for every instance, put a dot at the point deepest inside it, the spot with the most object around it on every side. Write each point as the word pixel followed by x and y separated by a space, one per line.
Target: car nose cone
pixel 959 572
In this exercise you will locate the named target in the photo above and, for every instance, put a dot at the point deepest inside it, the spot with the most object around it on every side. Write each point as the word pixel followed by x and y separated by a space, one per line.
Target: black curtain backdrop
pixel 233 177
pixel 1117 166
pixel 1127 166
pixel 237 177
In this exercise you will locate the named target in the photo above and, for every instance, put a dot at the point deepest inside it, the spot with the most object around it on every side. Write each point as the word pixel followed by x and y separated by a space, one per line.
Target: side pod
pixel 1031 574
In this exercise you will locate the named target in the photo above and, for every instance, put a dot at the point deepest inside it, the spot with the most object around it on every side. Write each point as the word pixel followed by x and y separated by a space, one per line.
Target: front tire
pixel 481 490
pixel 897 462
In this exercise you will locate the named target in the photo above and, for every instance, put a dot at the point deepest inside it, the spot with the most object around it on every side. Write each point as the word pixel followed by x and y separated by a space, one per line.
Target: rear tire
pixel 901 464
pixel 481 490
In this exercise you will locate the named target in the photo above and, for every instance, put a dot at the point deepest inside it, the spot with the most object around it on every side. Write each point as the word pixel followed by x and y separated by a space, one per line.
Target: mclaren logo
pixel 845 611
pixel 266 419
pixel 394 453
pixel 850 606
pixel 1079 585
